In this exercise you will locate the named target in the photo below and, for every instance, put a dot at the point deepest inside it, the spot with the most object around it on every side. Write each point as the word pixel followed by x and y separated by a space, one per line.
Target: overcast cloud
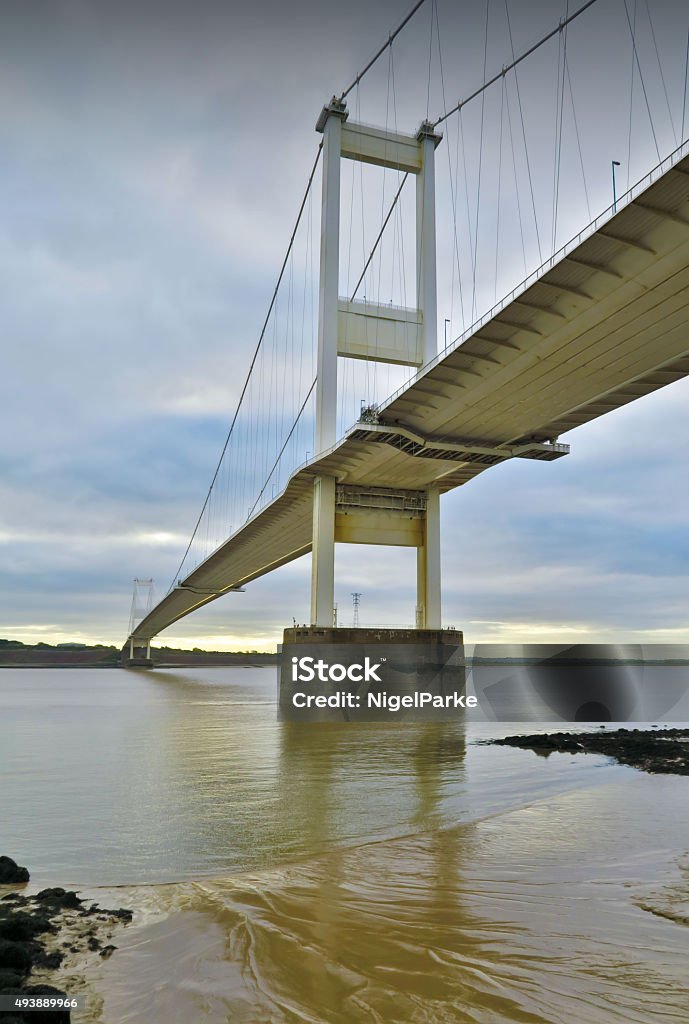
pixel 154 156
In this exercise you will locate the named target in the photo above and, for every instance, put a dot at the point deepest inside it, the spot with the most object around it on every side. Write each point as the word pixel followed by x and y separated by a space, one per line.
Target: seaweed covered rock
pixel 14 956
pixel 44 1016
pixel 661 751
pixel 26 926
pixel 22 926
pixel 9 979
pixel 11 873
pixel 59 899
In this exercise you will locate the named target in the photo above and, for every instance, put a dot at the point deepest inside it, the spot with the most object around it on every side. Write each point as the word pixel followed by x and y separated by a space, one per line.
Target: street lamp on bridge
pixel 615 163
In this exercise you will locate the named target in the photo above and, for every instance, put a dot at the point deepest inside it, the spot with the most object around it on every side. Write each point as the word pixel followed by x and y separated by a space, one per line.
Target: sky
pixel 154 157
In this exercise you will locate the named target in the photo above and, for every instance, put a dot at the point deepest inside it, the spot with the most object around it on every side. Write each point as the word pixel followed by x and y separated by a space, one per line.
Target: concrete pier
pixel 368 674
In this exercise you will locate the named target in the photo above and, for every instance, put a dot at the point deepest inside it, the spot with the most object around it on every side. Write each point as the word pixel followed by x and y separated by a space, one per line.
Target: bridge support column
pixel 323 552
pixel 326 391
pixel 427 300
pixel 428 611
pixel 323 547
pixel 133 655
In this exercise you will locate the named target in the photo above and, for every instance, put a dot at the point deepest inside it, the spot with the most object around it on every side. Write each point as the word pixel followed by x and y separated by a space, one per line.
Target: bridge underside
pixel 605 325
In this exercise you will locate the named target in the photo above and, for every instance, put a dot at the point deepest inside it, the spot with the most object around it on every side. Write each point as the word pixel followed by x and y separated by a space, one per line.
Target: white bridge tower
pixel 404 336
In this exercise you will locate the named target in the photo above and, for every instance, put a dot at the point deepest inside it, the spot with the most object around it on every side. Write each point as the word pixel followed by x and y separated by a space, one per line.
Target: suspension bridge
pixel 601 323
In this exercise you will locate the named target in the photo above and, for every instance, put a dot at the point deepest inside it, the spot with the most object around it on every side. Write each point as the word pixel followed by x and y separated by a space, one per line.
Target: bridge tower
pixel 404 336
pixel 142 602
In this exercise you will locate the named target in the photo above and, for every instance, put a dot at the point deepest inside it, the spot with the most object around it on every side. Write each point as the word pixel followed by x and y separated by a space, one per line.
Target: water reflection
pixel 528 917
pixel 264 791
pixel 343 872
pixel 187 773
pixel 380 931
pixel 345 781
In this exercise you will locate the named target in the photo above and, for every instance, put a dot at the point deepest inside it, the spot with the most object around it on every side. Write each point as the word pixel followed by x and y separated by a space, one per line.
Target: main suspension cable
pixel 527 53
pixel 381 51
pixel 253 361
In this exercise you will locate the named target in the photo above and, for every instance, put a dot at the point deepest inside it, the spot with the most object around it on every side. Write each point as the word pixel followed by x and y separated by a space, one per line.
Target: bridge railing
pixel 611 211
pixel 282 471
pixel 606 215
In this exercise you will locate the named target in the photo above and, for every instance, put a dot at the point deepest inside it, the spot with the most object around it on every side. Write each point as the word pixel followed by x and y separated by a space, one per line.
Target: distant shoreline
pixel 16 655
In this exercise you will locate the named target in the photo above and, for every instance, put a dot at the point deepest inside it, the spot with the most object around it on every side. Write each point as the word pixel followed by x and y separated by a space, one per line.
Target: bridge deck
pixel 606 322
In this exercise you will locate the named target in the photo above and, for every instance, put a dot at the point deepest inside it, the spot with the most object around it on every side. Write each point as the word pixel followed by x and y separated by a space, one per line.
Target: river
pixel 340 873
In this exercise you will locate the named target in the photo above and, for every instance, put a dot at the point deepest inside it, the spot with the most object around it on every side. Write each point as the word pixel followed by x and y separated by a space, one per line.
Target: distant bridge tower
pixel 407 337
pixel 142 602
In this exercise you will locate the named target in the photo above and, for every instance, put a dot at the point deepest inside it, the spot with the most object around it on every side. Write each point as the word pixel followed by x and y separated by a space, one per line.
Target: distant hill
pixel 15 654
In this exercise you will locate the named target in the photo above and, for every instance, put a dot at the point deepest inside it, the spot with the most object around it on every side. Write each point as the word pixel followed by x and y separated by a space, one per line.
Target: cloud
pixel 155 156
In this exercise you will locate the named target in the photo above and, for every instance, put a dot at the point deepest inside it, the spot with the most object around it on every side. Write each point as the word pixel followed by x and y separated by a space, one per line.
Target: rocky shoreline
pixel 658 751
pixel 38 932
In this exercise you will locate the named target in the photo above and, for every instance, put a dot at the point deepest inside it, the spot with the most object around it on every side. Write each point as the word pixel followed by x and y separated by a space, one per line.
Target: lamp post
pixel 615 163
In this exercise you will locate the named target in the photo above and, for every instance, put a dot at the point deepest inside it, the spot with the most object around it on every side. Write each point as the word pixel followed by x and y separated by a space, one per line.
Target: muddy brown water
pixel 383 873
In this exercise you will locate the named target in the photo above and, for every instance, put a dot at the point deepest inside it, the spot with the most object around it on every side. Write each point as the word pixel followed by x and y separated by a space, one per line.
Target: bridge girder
pixel 605 323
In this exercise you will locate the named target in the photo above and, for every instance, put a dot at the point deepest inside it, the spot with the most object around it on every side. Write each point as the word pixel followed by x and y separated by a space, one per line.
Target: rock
pixel 9 979
pixel 658 751
pixel 11 873
pixel 24 921
pixel 122 914
pixel 59 899
pixel 47 961
pixel 46 1016
pixel 14 956
pixel 22 926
